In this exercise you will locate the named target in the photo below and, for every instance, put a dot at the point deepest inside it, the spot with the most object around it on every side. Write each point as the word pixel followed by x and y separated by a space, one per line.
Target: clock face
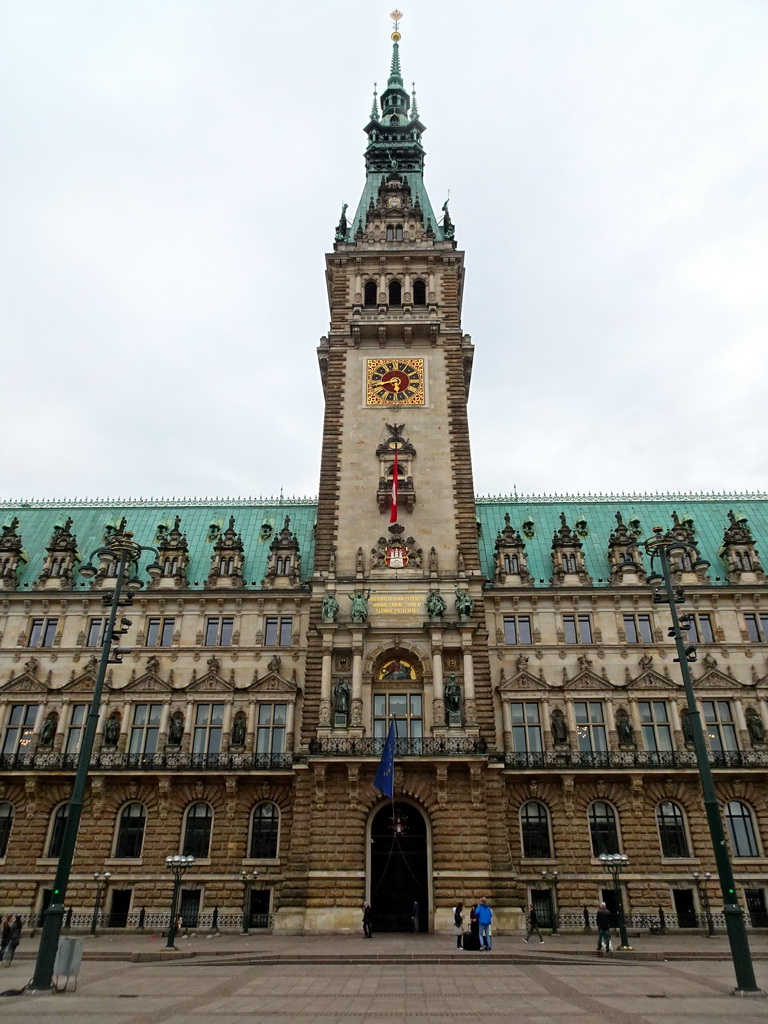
pixel 394 202
pixel 395 382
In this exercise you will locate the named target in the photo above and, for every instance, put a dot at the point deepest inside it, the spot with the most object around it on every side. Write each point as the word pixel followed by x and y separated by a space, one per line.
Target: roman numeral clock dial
pixel 395 382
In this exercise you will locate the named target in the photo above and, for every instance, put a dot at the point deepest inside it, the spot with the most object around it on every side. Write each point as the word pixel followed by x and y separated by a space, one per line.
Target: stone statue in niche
pixel 687 729
pixel 755 727
pixel 330 611
pixel 176 729
pixel 464 603
pixel 112 731
pixel 559 727
pixel 452 695
pixel 624 728
pixel 48 731
pixel 359 610
pixel 237 738
pixel 435 605
pixel 341 697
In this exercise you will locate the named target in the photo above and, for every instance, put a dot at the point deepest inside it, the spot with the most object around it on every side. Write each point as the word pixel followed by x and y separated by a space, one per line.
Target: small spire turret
pixel 375 105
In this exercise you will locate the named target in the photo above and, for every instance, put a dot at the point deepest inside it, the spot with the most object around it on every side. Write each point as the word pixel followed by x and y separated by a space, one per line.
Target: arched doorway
pixel 399 868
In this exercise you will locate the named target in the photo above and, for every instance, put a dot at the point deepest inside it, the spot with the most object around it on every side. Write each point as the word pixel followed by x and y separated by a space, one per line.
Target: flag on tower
pixel 393 513
pixel 384 779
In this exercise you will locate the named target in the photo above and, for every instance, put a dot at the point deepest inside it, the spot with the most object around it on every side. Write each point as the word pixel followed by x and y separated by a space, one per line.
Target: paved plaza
pixel 343 980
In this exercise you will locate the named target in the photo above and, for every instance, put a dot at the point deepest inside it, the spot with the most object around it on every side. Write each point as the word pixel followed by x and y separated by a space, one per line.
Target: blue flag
pixel 384 780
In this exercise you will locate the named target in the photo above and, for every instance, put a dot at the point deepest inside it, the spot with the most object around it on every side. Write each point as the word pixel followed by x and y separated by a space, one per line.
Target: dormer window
pixel 369 293
pixel 419 293
pixel 395 233
pixel 395 293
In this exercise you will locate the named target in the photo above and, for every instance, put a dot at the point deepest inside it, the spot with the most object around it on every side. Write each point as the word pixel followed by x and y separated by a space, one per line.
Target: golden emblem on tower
pixel 396 16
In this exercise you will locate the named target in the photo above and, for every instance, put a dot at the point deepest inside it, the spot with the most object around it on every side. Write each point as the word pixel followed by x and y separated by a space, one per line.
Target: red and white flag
pixel 393 513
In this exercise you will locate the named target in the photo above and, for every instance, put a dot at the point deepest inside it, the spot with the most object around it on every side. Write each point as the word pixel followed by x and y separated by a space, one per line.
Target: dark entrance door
pixel 608 897
pixel 259 908
pixel 190 907
pixel 398 868
pixel 542 904
pixel 686 911
pixel 121 904
pixel 758 913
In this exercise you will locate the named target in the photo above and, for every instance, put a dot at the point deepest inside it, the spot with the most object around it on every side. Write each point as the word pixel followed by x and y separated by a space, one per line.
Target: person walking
pixel 458 922
pixel 367 921
pixel 484 918
pixel 603 918
pixel 415 911
pixel 533 924
pixel 5 934
pixel 14 937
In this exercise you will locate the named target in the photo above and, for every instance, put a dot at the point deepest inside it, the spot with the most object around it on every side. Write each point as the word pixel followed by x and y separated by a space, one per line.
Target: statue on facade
pixel 48 731
pixel 176 729
pixel 342 227
pixel 435 604
pixel 341 697
pixel 559 727
pixel 237 738
pixel 452 695
pixel 330 611
pixel 755 727
pixel 624 728
pixel 687 728
pixel 359 610
pixel 464 603
pixel 112 731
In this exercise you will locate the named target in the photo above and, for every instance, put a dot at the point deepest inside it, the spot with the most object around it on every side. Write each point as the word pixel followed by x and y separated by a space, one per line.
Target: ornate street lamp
pixel 660 547
pixel 102 881
pixel 549 878
pixel 178 865
pixel 247 878
pixel 615 863
pixel 702 883
pixel 120 548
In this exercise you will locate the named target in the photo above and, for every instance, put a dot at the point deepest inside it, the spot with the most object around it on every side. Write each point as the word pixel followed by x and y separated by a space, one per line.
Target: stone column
pixel 610 725
pixel 290 716
pixel 570 717
pixel 356 709
pixel 98 740
pixel 125 715
pixel 506 718
pixel 438 701
pixel 324 721
pixel 470 711
pixel 186 739
pixel 251 727
pixel 677 727
pixel 226 726
pixel 65 717
pixel 165 718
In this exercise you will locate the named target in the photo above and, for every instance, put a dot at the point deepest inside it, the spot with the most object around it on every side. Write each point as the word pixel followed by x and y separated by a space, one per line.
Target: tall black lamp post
pixel 661 547
pixel 178 865
pixel 247 878
pixel 549 878
pixel 102 881
pixel 122 549
pixel 615 863
pixel 702 883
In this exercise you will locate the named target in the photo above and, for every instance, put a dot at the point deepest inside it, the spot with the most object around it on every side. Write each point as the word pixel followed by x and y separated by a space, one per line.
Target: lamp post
pixel 660 546
pixel 615 863
pixel 702 883
pixel 178 865
pixel 549 878
pixel 120 548
pixel 102 881
pixel 247 878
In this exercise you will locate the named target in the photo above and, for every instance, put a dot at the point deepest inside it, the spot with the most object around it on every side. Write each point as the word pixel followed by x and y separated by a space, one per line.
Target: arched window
pixel 264 828
pixel 369 293
pixel 603 829
pixel 197 830
pixel 534 823
pixel 6 824
pixel 674 842
pixel 741 829
pixel 130 830
pixel 419 293
pixel 58 824
pixel 395 293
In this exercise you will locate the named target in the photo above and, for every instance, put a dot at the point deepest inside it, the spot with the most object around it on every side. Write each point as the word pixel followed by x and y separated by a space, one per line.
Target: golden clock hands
pixel 394 381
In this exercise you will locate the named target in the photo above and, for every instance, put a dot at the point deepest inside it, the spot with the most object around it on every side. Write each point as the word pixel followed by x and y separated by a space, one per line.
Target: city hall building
pixel 514 642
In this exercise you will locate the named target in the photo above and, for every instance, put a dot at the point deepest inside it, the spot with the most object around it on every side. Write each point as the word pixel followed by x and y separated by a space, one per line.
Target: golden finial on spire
pixel 396 17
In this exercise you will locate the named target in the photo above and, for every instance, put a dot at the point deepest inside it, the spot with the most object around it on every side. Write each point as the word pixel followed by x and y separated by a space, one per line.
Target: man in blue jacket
pixel 484 918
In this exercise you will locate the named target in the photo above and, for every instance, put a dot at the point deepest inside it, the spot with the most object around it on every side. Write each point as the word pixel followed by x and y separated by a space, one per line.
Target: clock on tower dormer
pixel 394 382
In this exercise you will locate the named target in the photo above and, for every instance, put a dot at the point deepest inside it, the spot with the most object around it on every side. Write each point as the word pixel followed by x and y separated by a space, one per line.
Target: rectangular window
pixel 209 719
pixel 719 725
pixel 578 629
pixel 277 632
pixel 270 733
pixel 526 727
pixel 76 727
pixel 18 732
pixel 42 632
pixel 95 631
pixel 700 629
pixel 405 708
pixel 655 725
pixel 590 725
pixel 638 629
pixel 517 629
pixel 218 632
pixel 145 729
pixel 160 632
pixel 757 627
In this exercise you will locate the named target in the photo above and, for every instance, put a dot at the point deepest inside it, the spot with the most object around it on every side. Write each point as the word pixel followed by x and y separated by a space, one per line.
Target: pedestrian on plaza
pixel 603 918
pixel 415 917
pixel 367 921
pixel 14 937
pixel 458 922
pixel 5 934
pixel 533 924
pixel 484 918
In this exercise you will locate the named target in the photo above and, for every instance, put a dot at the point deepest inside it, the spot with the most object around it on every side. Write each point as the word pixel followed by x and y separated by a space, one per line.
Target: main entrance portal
pixel 399 868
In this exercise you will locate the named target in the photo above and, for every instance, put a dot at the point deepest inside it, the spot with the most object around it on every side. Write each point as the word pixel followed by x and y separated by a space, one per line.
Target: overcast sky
pixel 171 174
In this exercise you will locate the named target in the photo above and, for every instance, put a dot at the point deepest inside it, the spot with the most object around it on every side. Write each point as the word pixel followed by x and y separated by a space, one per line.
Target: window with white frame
pixel 590 725
pixel 526 726
pixel 757 627
pixel 655 725
pixel 18 731
pixel 145 728
pixel 517 629
pixel 160 632
pixel 206 736
pixel 218 631
pixel 720 725
pixel 637 629
pixel 577 629
pixel 700 629
pixel 95 632
pixel 270 730
pixel 77 716
pixel 407 710
pixel 42 632
pixel 277 631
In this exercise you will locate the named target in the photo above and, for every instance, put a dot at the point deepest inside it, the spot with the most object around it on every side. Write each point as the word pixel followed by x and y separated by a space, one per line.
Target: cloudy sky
pixel 171 174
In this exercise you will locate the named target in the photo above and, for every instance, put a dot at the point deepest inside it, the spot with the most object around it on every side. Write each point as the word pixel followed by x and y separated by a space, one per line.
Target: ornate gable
pixel 149 681
pixel 228 559
pixel 274 684
pixel 511 561
pixel 284 561
pixel 567 557
pixel 27 681
pixel 212 681
pixel 173 556
pixel 85 681
pixel 58 568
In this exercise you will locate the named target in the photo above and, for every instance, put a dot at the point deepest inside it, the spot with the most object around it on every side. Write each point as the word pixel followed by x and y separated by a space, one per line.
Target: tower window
pixel 369 293
pixel 395 293
pixel 419 293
